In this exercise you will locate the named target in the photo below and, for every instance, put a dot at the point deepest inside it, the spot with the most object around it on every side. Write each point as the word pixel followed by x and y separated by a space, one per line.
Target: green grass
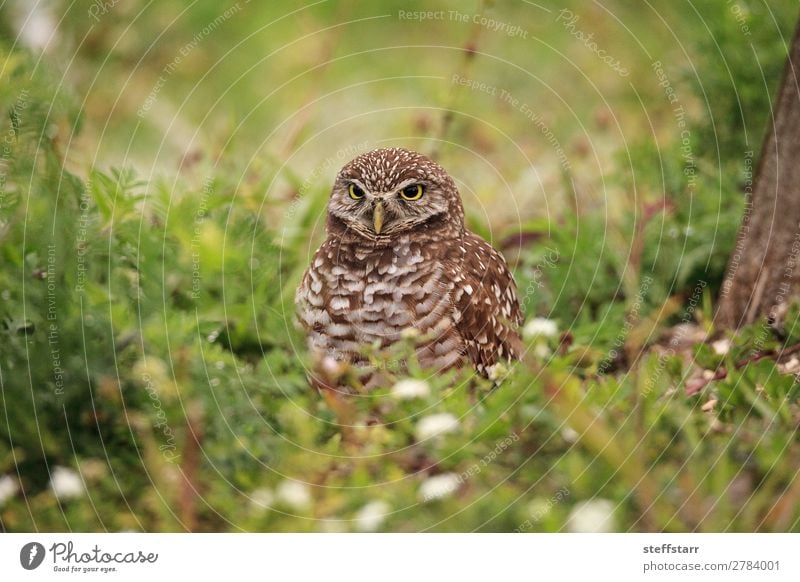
pixel 148 265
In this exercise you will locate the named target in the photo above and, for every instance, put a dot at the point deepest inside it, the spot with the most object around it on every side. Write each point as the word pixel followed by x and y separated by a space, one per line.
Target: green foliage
pixel 736 72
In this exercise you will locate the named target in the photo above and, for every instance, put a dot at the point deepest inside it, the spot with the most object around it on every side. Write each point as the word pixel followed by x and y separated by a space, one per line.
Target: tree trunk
pixel 761 270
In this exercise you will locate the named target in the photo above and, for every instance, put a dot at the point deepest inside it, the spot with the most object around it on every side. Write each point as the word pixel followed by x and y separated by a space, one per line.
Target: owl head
pixel 390 192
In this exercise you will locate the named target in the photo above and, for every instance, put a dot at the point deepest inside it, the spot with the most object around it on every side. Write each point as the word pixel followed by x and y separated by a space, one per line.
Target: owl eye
pixel 413 192
pixel 356 193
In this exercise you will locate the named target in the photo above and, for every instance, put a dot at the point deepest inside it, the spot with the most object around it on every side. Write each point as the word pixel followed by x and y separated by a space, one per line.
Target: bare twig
pixel 697 385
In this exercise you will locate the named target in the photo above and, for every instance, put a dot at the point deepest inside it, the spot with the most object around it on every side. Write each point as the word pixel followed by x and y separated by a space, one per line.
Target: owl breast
pixel 354 296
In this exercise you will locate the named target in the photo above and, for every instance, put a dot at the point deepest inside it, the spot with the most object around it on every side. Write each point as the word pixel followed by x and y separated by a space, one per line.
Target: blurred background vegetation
pixel 164 171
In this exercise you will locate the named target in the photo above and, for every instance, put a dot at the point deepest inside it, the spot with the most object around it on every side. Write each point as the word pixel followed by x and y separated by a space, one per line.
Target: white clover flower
pixel 435 425
pixel 372 515
pixel 438 487
pixel 498 372
pixel 593 516
pixel 36 26
pixel 540 327
pixel 66 483
pixel 569 434
pixel 294 494
pixel 8 487
pixel 332 367
pixel 409 389
pixel 792 366
pixel 262 498
pixel 721 347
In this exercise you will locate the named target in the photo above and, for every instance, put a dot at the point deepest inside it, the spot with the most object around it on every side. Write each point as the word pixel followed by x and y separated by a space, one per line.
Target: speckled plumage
pixel 422 269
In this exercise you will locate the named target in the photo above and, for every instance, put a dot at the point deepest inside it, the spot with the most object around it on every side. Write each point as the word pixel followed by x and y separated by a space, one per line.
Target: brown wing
pixel 487 309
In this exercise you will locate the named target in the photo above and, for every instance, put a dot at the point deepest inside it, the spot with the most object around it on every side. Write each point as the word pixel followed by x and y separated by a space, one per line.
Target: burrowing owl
pixel 397 257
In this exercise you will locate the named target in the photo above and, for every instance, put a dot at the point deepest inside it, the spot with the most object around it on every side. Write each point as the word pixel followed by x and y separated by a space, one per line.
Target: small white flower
pixel 438 487
pixel 409 389
pixel 498 372
pixel 540 327
pixel 569 434
pixel 372 515
pixel 332 367
pixel 36 26
pixel 294 494
pixel 262 498
pixel 541 351
pixel 66 483
pixel 721 347
pixel 435 425
pixel 8 487
pixel 593 516
pixel 792 365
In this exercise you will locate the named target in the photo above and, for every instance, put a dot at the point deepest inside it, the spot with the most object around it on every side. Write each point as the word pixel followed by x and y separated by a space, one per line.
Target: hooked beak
pixel 377 217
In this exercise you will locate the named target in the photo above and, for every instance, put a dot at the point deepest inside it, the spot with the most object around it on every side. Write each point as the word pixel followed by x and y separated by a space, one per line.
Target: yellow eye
pixel 356 193
pixel 413 192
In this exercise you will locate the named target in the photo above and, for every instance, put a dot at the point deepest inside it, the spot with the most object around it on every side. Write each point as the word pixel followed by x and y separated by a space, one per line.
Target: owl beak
pixel 377 217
